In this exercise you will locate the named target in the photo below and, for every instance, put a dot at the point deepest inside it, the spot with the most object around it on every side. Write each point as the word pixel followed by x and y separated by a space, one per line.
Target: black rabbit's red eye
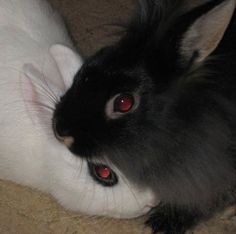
pixel 103 174
pixel 123 103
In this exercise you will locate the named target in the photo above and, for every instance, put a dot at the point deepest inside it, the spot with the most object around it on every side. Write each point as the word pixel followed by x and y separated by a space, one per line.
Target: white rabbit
pixel 34 72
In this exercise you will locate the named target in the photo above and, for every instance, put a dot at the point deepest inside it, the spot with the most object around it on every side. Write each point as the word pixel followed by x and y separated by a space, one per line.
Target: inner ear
pixel 39 95
pixel 205 34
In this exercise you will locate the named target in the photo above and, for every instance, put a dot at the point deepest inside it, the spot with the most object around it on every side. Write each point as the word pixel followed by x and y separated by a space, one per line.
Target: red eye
pixel 123 103
pixel 103 174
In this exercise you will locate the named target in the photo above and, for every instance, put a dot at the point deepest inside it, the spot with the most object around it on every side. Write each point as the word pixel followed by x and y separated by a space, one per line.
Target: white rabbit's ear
pixel 205 34
pixel 38 95
pixel 68 62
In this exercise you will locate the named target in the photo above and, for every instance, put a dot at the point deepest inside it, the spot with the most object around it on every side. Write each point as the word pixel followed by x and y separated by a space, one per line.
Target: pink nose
pixel 67 140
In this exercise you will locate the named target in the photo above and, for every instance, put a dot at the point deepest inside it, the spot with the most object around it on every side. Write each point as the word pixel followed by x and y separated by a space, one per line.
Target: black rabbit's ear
pixel 207 31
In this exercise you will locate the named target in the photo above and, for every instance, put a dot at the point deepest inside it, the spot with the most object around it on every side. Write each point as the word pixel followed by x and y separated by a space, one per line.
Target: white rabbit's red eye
pixel 123 103
pixel 103 174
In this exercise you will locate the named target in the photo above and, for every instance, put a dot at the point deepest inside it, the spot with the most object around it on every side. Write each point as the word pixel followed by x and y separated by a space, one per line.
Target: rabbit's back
pixel 28 28
pixel 35 18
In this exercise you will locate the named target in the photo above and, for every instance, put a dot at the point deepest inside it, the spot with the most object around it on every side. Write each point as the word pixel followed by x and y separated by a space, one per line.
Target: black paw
pixel 172 220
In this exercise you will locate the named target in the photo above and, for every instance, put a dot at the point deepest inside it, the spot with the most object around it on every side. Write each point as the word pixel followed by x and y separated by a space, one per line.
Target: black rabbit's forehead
pixel 114 82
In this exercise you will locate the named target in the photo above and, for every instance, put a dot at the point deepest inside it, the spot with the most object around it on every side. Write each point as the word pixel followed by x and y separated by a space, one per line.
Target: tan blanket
pixel 24 211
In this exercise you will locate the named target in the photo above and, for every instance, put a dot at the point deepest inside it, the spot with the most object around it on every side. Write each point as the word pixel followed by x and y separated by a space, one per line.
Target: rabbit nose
pixel 68 141
pixel 62 135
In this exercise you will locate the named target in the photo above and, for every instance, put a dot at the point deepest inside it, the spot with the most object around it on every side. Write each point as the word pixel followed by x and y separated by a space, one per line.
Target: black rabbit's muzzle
pixel 62 135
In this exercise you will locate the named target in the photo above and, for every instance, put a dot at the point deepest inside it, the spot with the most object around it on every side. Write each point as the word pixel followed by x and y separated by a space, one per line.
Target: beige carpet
pixel 24 211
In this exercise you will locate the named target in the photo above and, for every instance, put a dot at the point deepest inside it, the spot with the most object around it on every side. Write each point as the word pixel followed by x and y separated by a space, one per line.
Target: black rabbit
pixel 159 106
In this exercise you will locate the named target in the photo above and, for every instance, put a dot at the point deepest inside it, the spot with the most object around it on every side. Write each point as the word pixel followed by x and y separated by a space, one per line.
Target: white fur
pixel 31 76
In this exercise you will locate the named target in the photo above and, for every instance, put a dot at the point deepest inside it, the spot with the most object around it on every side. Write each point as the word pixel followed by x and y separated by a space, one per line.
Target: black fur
pixel 172 220
pixel 181 140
